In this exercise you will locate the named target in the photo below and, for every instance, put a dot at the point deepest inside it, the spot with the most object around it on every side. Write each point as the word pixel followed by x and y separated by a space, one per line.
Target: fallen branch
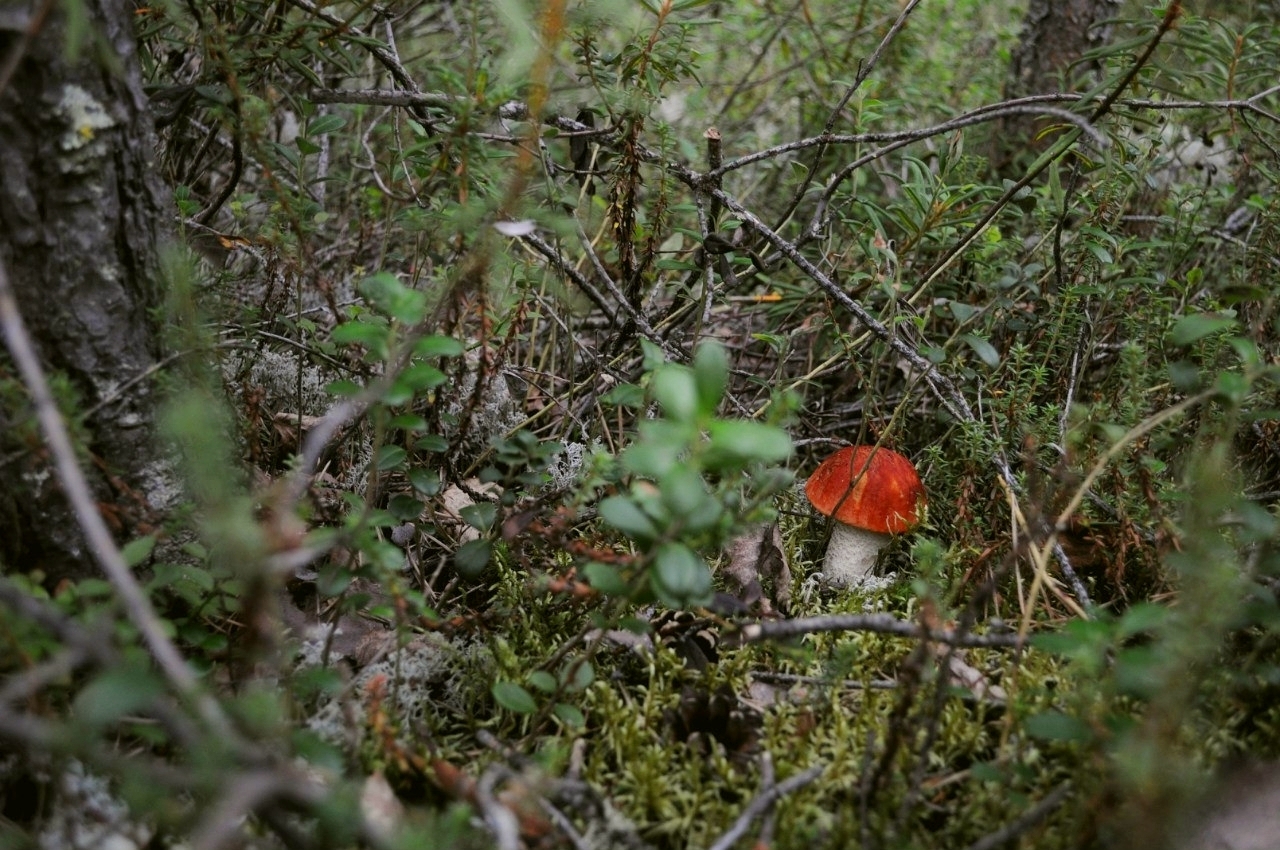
pixel 879 623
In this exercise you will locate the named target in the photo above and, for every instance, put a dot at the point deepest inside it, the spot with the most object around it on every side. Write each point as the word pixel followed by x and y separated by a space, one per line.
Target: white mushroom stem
pixel 851 554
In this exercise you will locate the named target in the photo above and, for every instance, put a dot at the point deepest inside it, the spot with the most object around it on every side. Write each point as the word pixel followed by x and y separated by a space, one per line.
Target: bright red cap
pixel 888 497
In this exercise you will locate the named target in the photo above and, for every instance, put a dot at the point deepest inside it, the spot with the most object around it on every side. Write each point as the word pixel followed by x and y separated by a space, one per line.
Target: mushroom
pixel 869 493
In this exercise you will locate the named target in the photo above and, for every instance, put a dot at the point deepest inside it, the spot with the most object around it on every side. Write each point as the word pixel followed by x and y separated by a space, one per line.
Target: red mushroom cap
pixel 886 498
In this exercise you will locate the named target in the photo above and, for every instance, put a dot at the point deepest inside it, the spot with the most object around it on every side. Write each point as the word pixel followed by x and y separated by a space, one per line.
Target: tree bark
pixel 1056 34
pixel 83 215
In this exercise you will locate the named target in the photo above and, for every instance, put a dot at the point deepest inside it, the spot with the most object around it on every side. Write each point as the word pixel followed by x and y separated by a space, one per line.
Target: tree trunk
pixel 82 213
pixel 1056 34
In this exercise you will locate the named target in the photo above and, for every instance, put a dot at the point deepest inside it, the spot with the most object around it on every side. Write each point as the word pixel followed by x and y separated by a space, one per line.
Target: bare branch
pixel 879 623
pixel 381 52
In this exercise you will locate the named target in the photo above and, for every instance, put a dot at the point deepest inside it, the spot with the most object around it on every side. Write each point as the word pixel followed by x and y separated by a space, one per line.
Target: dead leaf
pixel 455 499
pixel 515 524
pixel 972 679
pixel 757 562
pixel 352 637
pixel 287 417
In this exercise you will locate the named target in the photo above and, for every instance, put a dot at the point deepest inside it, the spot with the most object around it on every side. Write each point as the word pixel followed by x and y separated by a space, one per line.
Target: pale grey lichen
pixel 1180 156
pixel 280 375
pixel 570 465
pixel 86 815
pixel 291 384
pixel 162 483
pixel 431 676
pixel 493 415
pixel 84 115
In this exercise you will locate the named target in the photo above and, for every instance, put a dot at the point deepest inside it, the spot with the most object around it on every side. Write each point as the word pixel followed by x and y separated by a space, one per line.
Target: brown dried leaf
pixel 454 500
pixel 756 563
pixel 290 418
pixel 352 637
pixel 974 680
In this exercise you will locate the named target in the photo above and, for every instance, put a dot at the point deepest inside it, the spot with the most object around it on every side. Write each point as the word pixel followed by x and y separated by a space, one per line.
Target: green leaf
pixel 404 507
pixel 543 681
pixel 408 422
pixel 777 342
pixel 636 625
pixel 961 311
pixel 605 578
pixel 410 308
pixel 985 771
pixel 661 444
pixel 651 459
pixel 372 336
pixel 705 516
pixel 425 481
pixel 93 588
pixel 391 457
pixel 1058 643
pixel 325 124
pixel 397 394
pixel 986 351
pixel 343 389
pixel 683 491
pixel 1101 254
pixel 736 443
pixel 1197 326
pixel 1142 617
pixel 184 580
pixel 472 557
pixel 1234 386
pixel 479 516
pixel 287 153
pixel 136 551
pixel 431 443
pixel 422 376
pixel 1184 376
pixel 513 697
pixel 1139 671
pixel 711 374
pixel 653 356
pixel 676 390
pixel 680 577
pixel 625 395
pixel 580 676
pixel 625 515
pixel 116 692
pixel 437 345
pixel 1055 726
pixel 1247 351
pixel 569 715
pixel 385 291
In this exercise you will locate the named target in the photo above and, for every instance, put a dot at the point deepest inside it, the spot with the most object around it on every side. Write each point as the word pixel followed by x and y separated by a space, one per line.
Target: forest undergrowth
pixel 506 336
